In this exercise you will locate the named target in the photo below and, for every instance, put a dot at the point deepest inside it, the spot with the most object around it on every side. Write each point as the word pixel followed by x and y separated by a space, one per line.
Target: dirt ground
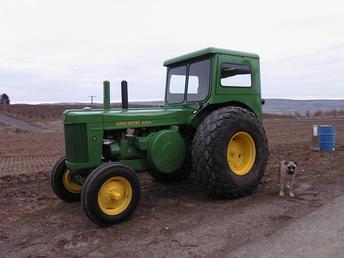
pixel 172 220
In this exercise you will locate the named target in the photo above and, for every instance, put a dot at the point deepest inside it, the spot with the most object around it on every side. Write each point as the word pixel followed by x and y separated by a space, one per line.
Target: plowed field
pixel 176 220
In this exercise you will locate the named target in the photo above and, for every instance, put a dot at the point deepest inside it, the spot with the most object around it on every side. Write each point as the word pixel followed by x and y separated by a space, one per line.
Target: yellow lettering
pixel 132 123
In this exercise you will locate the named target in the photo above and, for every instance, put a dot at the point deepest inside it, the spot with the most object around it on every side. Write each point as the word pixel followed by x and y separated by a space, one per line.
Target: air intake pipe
pixel 124 88
pixel 106 101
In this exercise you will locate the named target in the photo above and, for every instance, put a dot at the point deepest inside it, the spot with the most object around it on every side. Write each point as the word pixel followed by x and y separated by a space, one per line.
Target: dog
pixel 287 173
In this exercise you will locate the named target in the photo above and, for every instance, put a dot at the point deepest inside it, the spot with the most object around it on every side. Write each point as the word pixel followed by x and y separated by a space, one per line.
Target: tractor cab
pixel 214 76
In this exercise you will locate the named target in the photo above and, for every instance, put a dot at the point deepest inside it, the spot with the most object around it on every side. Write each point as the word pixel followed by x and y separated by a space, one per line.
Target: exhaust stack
pixel 106 102
pixel 124 88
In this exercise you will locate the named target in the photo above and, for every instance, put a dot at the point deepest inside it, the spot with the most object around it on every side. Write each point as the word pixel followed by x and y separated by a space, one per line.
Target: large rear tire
pixel 62 183
pixel 230 152
pixel 110 194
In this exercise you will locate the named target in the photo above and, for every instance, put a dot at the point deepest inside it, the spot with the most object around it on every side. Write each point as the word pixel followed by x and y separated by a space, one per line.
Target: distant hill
pixel 284 106
pixel 290 106
pixel 271 106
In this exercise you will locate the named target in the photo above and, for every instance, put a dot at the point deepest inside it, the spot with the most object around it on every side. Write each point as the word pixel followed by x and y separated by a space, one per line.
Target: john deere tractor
pixel 210 127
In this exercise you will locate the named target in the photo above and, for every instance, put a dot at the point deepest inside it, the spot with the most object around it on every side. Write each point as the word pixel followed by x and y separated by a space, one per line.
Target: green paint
pixel 162 136
pixel 135 164
pixel 166 151
pixel 208 51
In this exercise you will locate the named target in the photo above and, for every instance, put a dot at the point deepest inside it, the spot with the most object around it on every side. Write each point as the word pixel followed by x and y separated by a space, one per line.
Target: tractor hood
pixel 125 118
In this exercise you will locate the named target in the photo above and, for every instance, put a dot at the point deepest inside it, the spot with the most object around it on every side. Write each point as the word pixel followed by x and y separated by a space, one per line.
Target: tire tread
pixel 207 163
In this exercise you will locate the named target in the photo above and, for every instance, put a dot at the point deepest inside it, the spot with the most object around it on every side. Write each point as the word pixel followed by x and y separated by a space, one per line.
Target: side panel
pixel 146 118
pixel 255 75
pixel 249 96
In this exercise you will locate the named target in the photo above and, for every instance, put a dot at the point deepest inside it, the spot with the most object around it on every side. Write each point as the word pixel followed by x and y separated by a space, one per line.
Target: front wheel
pixel 229 152
pixel 62 182
pixel 110 194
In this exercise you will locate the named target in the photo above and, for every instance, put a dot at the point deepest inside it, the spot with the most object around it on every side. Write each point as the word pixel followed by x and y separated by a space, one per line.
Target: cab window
pixel 188 82
pixel 198 80
pixel 235 75
pixel 176 84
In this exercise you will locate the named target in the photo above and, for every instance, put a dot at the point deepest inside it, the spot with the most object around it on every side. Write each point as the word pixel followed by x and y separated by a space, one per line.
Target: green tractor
pixel 210 127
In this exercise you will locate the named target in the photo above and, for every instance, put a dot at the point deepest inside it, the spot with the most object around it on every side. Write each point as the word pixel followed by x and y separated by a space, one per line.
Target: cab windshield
pixel 188 83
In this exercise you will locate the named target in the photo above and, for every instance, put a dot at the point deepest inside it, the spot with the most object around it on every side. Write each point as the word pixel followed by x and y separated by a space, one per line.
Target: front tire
pixel 229 152
pixel 110 194
pixel 62 183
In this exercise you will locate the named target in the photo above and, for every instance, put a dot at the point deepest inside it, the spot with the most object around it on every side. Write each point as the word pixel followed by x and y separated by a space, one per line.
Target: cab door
pixel 237 75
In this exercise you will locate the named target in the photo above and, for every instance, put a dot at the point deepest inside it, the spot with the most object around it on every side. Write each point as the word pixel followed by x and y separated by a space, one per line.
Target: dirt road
pixel 171 219
pixel 319 234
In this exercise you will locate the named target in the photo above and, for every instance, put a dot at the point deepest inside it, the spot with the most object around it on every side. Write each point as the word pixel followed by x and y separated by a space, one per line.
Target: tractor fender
pixel 204 112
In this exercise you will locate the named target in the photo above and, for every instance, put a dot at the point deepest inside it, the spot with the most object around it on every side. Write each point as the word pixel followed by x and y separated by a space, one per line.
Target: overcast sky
pixel 57 51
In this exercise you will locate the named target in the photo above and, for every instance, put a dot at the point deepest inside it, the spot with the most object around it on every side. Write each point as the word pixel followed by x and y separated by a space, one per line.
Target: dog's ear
pixel 295 163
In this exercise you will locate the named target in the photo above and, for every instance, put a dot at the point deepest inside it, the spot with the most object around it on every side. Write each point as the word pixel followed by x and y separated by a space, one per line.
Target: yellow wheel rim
pixel 69 184
pixel 115 195
pixel 241 153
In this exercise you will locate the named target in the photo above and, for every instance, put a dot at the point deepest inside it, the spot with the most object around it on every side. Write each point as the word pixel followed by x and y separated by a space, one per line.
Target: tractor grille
pixel 76 143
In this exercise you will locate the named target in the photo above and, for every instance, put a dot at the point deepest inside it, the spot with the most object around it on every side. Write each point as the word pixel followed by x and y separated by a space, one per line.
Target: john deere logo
pixel 132 123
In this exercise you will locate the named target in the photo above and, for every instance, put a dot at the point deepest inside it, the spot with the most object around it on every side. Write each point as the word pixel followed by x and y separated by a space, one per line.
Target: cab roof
pixel 208 51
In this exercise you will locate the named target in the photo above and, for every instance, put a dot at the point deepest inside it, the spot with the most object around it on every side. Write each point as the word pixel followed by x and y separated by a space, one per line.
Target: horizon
pixel 151 100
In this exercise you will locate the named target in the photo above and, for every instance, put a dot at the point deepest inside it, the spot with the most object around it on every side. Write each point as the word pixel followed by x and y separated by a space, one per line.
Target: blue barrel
pixel 327 140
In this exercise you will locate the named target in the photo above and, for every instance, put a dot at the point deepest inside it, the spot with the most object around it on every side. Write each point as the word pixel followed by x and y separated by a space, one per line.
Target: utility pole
pixel 92 99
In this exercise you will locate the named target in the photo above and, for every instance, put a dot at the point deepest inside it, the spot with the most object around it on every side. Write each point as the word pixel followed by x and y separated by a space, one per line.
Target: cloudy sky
pixel 57 51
